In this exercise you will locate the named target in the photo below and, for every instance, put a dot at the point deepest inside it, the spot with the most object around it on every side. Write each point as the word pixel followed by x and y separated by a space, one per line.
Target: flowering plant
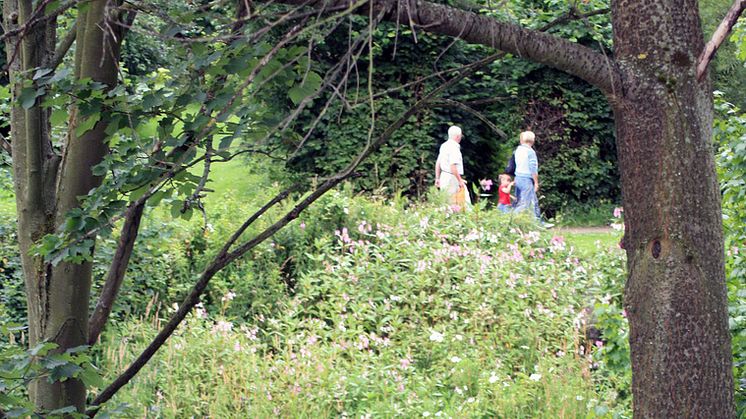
pixel 617 223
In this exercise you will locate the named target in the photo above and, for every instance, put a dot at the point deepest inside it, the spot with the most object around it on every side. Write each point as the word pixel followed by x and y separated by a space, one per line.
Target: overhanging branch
pixel 719 36
pixel 543 48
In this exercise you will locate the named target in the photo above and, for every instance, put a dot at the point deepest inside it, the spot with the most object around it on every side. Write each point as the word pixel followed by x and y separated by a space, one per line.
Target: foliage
pixel 19 367
pixel 730 136
pixel 573 122
pixel 400 311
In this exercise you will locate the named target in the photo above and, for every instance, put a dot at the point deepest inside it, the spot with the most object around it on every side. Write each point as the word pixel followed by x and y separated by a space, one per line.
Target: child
pixel 504 204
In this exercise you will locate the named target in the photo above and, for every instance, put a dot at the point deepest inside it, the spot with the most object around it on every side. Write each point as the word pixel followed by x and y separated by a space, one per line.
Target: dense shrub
pixel 397 310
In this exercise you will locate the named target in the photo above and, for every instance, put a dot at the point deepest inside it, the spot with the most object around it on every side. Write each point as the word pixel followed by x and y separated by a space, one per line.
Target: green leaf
pixel 63 410
pixel 28 96
pixel 59 116
pixel 63 372
pixel 87 124
pixel 91 378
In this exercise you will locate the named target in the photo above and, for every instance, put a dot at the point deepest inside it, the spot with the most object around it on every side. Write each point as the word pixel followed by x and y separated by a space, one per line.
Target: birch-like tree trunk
pixel 47 186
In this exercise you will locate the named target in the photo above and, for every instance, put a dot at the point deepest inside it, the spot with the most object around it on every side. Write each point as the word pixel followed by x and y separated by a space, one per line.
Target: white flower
pixel 455 359
pixel 578 398
pixel 425 414
pixel 493 378
pixel 436 336
pixel 535 377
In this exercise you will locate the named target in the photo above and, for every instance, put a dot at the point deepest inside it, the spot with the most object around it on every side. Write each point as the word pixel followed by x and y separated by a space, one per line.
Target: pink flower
pixel 618 212
pixel 302 226
pixel 599 344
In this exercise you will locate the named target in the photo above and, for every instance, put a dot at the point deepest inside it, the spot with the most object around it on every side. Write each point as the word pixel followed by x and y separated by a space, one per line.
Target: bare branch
pixel 116 273
pixel 536 46
pixel 64 47
pixel 5 145
pixel 719 36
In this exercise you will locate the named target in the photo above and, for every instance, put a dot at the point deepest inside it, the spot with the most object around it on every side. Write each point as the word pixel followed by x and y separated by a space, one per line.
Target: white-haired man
pixel 449 168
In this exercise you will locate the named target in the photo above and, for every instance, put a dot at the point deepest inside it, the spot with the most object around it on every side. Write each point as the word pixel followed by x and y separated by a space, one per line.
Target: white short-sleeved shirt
pixel 450 153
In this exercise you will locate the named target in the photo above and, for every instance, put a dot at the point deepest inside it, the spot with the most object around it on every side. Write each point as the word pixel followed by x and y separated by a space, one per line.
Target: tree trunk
pixel 46 189
pixel 675 296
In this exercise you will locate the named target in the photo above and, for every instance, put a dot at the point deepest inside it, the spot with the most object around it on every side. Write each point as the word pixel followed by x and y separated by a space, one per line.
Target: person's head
pixel 504 179
pixel 527 138
pixel 454 133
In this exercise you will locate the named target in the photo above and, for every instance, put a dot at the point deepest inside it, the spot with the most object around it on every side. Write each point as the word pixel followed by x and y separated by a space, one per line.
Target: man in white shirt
pixel 449 168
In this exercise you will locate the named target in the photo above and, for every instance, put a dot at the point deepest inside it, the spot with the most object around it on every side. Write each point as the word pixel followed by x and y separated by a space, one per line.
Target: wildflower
pixel 486 184
pixel 493 378
pixel 424 222
pixel 302 226
pixel 436 336
pixel 471 400
pixel 455 359
pixel 535 377
pixel 229 296
pixel 599 344
pixel 404 363
pixel 618 212
pixel 222 326
pixel 557 243
pixel 421 266
pixel 237 346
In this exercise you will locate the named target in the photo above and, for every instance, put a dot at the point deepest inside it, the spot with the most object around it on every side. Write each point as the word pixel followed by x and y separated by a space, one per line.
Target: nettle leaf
pixel 87 124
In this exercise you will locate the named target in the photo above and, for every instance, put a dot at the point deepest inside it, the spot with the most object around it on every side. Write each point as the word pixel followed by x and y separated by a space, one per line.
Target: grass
pixel 588 243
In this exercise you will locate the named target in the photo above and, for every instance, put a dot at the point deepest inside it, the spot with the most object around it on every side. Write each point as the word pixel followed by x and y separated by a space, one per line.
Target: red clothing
pixel 504 197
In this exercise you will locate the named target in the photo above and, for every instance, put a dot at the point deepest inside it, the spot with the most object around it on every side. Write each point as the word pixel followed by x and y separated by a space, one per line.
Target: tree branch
pixel 533 45
pixel 64 47
pixel 5 145
pixel 116 272
pixel 719 36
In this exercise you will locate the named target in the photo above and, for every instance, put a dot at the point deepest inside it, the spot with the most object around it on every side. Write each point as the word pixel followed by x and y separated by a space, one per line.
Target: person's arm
pixel 533 165
pixel 454 171
pixel 437 173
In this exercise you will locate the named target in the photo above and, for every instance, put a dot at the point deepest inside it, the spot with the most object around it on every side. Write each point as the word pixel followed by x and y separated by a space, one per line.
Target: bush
pixel 397 310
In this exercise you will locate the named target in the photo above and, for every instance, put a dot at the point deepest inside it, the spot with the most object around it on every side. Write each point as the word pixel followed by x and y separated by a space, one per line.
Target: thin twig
pixel 719 36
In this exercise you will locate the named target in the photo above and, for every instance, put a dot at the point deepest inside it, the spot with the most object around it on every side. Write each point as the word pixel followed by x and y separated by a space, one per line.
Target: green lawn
pixel 588 243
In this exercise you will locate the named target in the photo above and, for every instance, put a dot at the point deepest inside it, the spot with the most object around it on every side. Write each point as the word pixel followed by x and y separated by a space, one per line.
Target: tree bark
pixel 57 296
pixel 675 296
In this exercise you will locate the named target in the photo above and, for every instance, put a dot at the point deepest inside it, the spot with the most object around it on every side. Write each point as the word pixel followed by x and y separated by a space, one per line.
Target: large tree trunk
pixel 675 295
pixel 46 189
